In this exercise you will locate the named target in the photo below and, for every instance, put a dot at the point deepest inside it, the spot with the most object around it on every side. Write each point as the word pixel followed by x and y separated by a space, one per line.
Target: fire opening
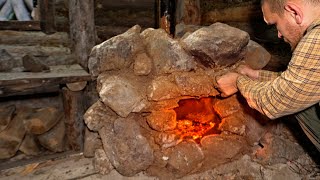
pixel 196 118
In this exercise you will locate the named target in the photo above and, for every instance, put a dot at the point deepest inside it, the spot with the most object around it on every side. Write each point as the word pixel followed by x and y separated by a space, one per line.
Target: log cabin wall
pixel 110 17
pixel 115 17
pixel 243 14
pixel 51 48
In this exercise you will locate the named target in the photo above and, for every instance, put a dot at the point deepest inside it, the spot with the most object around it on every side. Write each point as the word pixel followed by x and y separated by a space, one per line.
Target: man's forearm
pixel 267 75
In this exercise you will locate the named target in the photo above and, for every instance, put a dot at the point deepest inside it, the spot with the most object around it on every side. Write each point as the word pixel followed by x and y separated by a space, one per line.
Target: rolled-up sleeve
pixel 295 89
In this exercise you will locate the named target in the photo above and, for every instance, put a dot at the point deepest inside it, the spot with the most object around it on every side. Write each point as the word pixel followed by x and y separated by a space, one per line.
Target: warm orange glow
pixel 196 118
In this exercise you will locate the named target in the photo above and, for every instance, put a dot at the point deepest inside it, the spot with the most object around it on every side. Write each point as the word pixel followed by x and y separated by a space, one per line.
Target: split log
pixel 6 115
pixel 77 86
pixel 12 136
pixel 29 146
pixel 42 120
pixel 54 139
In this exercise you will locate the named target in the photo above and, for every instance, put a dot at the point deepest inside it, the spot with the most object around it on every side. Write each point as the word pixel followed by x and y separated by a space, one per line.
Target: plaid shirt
pixel 297 88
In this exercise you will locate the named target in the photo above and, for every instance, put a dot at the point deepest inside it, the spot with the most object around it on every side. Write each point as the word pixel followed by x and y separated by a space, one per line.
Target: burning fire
pixel 196 118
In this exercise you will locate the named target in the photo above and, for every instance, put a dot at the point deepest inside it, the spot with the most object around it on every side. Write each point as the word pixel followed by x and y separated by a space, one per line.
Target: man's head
pixel 291 17
pixel 276 6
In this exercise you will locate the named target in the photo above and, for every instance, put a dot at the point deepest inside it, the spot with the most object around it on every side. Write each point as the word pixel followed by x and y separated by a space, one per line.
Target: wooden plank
pixel 23 83
pixel 64 72
pixel 20 25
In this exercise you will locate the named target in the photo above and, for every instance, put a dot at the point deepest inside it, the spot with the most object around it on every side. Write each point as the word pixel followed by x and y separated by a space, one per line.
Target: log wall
pixel 243 14
pixel 115 17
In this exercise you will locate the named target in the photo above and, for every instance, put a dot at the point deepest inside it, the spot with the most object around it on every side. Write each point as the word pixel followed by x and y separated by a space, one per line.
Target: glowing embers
pixel 196 118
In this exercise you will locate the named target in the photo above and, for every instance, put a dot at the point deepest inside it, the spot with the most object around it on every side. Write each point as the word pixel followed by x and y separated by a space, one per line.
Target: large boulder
pixel 117 52
pixel 217 45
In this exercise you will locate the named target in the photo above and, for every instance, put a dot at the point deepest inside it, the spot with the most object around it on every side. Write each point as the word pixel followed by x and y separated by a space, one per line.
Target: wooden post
pixel 73 104
pixel 47 21
pixel 82 29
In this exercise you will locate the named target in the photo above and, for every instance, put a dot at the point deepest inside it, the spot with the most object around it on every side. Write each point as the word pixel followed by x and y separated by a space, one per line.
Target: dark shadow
pixel 301 137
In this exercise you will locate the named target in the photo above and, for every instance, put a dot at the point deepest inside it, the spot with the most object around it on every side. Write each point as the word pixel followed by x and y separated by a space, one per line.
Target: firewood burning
pixel 196 118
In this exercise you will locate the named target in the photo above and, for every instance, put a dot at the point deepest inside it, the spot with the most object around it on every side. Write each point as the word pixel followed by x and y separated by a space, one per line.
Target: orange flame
pixel 196 118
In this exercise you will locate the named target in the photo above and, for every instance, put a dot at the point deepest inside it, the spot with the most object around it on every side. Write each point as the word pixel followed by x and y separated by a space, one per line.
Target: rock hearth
pixel 143 77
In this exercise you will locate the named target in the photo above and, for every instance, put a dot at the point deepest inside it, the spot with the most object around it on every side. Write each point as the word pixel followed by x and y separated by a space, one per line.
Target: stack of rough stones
pixel 141 77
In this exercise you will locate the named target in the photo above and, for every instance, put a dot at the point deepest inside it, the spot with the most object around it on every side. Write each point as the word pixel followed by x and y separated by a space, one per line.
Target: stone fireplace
pixel 159 112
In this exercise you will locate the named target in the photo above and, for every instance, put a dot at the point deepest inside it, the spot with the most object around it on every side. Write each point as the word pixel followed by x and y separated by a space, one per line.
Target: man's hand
pixel 227 84
pixel 248 71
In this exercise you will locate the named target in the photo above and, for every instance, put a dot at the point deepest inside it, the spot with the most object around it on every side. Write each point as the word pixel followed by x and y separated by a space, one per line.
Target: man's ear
pixel 295 11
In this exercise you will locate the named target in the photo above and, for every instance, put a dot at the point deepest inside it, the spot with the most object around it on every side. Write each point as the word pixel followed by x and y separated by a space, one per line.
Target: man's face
pixel 287 27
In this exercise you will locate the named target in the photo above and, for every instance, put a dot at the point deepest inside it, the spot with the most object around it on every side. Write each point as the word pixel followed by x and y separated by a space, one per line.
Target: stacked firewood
pixel 22 10
pixel 31 130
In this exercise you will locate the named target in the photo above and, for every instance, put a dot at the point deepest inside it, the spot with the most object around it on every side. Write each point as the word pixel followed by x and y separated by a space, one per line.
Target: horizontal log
pixel 246 13
pixel 106 32
pixel 34 38
pixel 52 60
pixel 20 51
pixel 126 4
pixel 22 90
pixel 20 25
pixel 119 19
